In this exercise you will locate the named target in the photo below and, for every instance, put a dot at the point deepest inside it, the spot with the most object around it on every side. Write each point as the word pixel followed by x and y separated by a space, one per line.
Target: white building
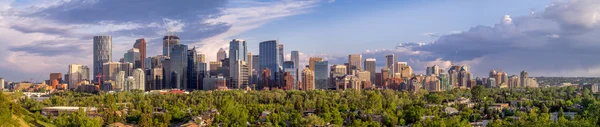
pixel 138 75
pixel 77 73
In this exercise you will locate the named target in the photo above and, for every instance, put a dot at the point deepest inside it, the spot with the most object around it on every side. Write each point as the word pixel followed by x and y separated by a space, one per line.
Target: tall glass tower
pixel 269 57
pixel 168 43
pixel 238 54
pixel 102 52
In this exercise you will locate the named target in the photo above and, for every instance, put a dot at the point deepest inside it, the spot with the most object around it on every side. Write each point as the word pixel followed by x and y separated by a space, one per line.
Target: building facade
pixel 269 57
pixel 102 52
pixel 169 42
pixel 141 45
pixel 308 79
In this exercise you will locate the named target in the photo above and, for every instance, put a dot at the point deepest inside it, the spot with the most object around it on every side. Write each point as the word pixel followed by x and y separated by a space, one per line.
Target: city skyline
pixel 50 47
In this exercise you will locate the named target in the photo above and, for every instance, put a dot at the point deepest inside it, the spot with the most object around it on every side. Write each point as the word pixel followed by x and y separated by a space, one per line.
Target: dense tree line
pixel 336 108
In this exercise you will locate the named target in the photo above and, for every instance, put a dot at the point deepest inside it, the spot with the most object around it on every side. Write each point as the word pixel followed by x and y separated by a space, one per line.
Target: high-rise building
pixel 308 79
pixel 56 76
pixel 339 70
pixel 524 76
pixel 214 65
pixel 111 69
pixel 280 54
pixel 390 62
pixel 169 42
pixel 102 52
pixel 295 57
pixel 192 79
pixel 311 62
pixel 250 66
pixel 288 67
pixel 155 80
pixel 201 58
pixel 514 81
pixel 269 57
pixel 371 66
pixel 138 75
pixel 266 80
pixel 76 75
pixel 178 65
pixel 255 69
pixel 141 45
pixel 221 54
pixel 129 83
pixel 238 68
pixel 85 73
pixel 288 81
pixel 133 56
pixel 405 72
pixel 435 70
pixel 321 74
pixel 1 84
pixel 119 81
pixel 354 62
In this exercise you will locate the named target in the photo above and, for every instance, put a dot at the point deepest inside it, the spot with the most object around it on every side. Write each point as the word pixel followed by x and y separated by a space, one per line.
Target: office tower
pixel 178 65
pixel 155 80
pixel 141 45
pixel 192 70
pixel 255 69
pixel 311 62
pixel 266 80
pixel 385 74
pixel 111 69
pixel 85 73
pixel 405 72
pixel 238 58
pixel 280 54
pixel 348 82
pixel 492 73
pixel 138 75
pixel 289 67
pixel 354 62
pixel 390 62
pixel 435 70
pixel 56 76
pixel 321 75
pixel 428 71
pixel 371 66
pixel 133 56
pixel 308 79
pixel 364 75
pixel 102 52
pixel 432 83
pixel 295 57
pixel 214 65
pixel 250 66
pixel 201 58
pixel 119 81
pixel 445 81
pixel 169 42
pixel 76 75
pixel 288 81
pixel 524 76
pixel 156 61
pixel 269 57
pixel 339 70
pixel 221 54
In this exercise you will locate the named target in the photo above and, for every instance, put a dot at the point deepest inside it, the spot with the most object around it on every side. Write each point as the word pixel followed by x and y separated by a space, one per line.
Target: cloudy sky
pixel 544 37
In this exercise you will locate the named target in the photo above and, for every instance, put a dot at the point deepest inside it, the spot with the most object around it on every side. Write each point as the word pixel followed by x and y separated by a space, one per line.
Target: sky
pixel 543 37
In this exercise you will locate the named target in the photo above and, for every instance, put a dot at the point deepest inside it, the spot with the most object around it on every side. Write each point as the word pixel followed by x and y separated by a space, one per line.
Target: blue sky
pixel 544 37
pixel 377 25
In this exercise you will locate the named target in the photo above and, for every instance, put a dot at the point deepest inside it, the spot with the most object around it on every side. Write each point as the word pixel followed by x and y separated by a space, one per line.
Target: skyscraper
pixel 371 66
pixel 192 70
pixel 238 56
pixel 133 56
pixel 311 62
pixel 390 62
pixel 119 81
pixel 250 65
pixel 201 58
pixel 178 65
pixel 76 75
pixel 308 79
pixel 169 42
pixel 269 57
pixel 280 55
pixel 221 55
pixel 321 74
pixel 295 57
pixel 102 52
pixel 524 76
pixel 141 45
pixel 139 76
pixel 255 69
pixel 354 62
pixel 288 67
